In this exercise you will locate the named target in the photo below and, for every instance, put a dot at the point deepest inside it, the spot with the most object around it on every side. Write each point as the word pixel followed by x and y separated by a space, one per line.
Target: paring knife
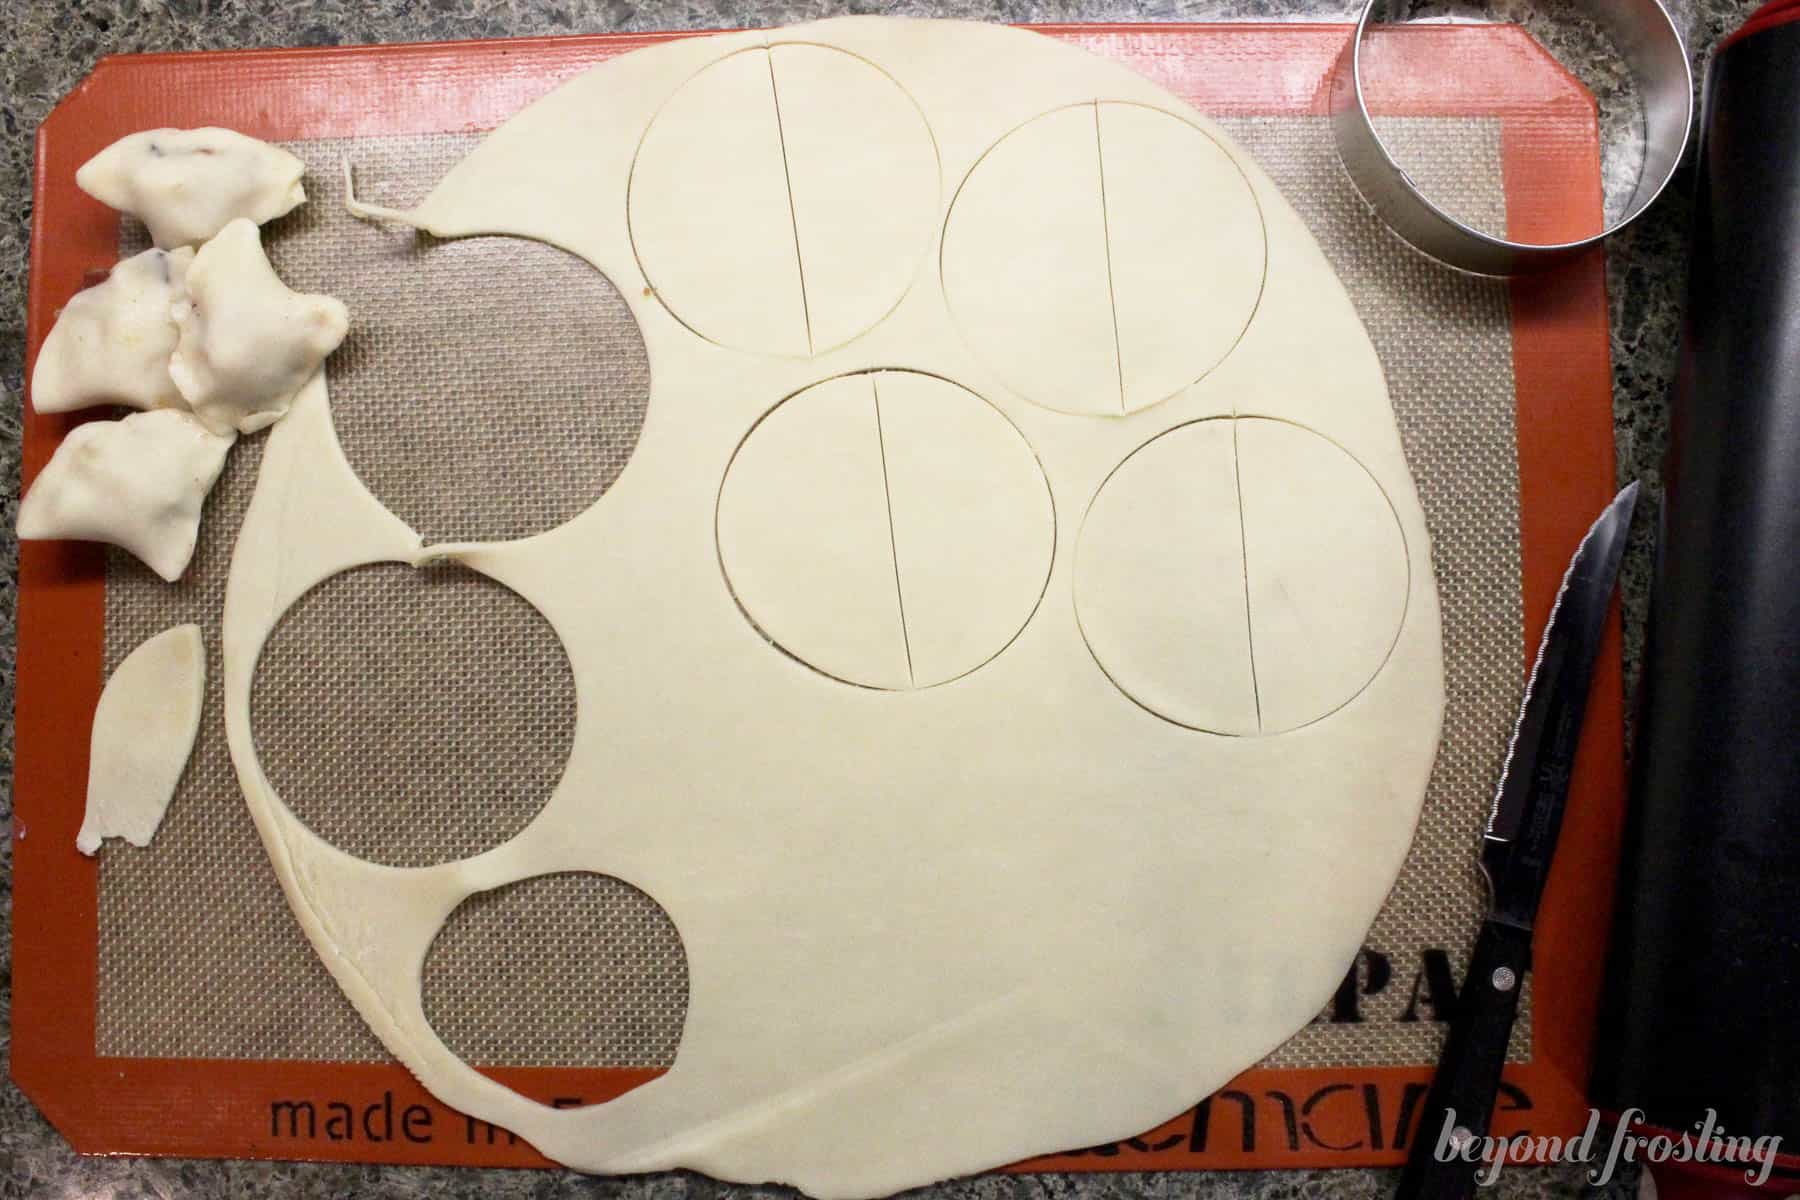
pixel 1515 859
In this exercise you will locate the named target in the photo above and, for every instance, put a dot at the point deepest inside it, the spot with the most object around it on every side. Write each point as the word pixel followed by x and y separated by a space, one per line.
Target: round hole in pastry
pixel 413 716
pixel 566 970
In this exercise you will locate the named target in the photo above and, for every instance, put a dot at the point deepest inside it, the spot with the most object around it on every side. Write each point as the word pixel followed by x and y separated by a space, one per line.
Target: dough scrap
pixel 111 343
pixel 139 483
pixel 144 731
pixel 188 184
pixel 248 342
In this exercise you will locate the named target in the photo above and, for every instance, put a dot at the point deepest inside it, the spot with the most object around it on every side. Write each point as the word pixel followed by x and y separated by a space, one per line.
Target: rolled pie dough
pixel 1011 657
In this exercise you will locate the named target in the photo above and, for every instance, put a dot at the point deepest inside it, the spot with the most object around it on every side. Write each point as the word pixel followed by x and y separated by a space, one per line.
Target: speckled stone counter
pixel 47 47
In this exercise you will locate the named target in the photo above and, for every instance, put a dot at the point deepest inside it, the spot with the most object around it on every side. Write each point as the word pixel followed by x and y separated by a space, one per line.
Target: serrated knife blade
pixel 1516 850
pixel 1526 818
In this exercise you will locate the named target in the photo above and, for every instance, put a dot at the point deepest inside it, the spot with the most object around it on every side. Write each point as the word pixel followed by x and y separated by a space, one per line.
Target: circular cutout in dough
pixel 888 528
pixel 1104 256
pixel 386 696
pixel 490 387
pixel 566 970
pixel 1241 576
pixel 782 199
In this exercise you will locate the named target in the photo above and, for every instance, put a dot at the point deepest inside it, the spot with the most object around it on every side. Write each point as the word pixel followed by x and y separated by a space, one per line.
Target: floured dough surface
pixel 866 636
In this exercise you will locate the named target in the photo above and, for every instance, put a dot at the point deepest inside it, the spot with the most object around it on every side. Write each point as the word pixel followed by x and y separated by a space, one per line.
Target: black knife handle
pixel 1468 1075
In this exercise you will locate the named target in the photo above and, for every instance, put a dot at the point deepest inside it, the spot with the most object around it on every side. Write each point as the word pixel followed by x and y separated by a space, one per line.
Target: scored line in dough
pixel 1237 480
pixel 1112 289
pixel 847 468
pixel 787 175
pixel 887 493
pixel 1075 229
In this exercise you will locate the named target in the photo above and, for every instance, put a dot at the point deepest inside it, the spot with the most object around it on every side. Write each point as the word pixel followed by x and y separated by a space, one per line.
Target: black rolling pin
pixel 1701 1009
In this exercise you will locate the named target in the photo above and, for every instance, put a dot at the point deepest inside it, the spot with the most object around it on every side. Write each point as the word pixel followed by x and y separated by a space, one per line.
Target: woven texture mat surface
pixel 492 388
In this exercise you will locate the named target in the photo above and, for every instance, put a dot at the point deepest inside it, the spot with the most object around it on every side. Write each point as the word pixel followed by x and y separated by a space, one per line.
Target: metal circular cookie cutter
pixel 1652 48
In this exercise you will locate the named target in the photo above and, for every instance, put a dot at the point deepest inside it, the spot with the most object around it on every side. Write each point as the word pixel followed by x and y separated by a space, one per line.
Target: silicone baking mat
pixel 491 388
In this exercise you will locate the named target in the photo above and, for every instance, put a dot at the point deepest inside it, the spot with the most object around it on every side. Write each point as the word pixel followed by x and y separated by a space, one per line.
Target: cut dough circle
pixel 889 529
pixel 1241 576
pixel 817 195
pixel 1123 235
pixel 144 730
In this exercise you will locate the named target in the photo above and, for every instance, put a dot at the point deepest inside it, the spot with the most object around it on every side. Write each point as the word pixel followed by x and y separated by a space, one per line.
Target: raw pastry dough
pixel 819 186
pixel 1077 230
pixel 929 929
pixel 144 731
pixel 1241 576
pixel 1159 581
pixel 138 483
pixel 188 184
pixel 890 529
pixel 248 342
pixel 111 343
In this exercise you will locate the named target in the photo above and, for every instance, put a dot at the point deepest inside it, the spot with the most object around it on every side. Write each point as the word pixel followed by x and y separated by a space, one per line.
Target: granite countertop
pixel 47 46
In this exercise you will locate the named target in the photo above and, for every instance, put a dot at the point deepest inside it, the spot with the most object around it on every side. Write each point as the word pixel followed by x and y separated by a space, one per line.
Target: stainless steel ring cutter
pixel 1652 48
